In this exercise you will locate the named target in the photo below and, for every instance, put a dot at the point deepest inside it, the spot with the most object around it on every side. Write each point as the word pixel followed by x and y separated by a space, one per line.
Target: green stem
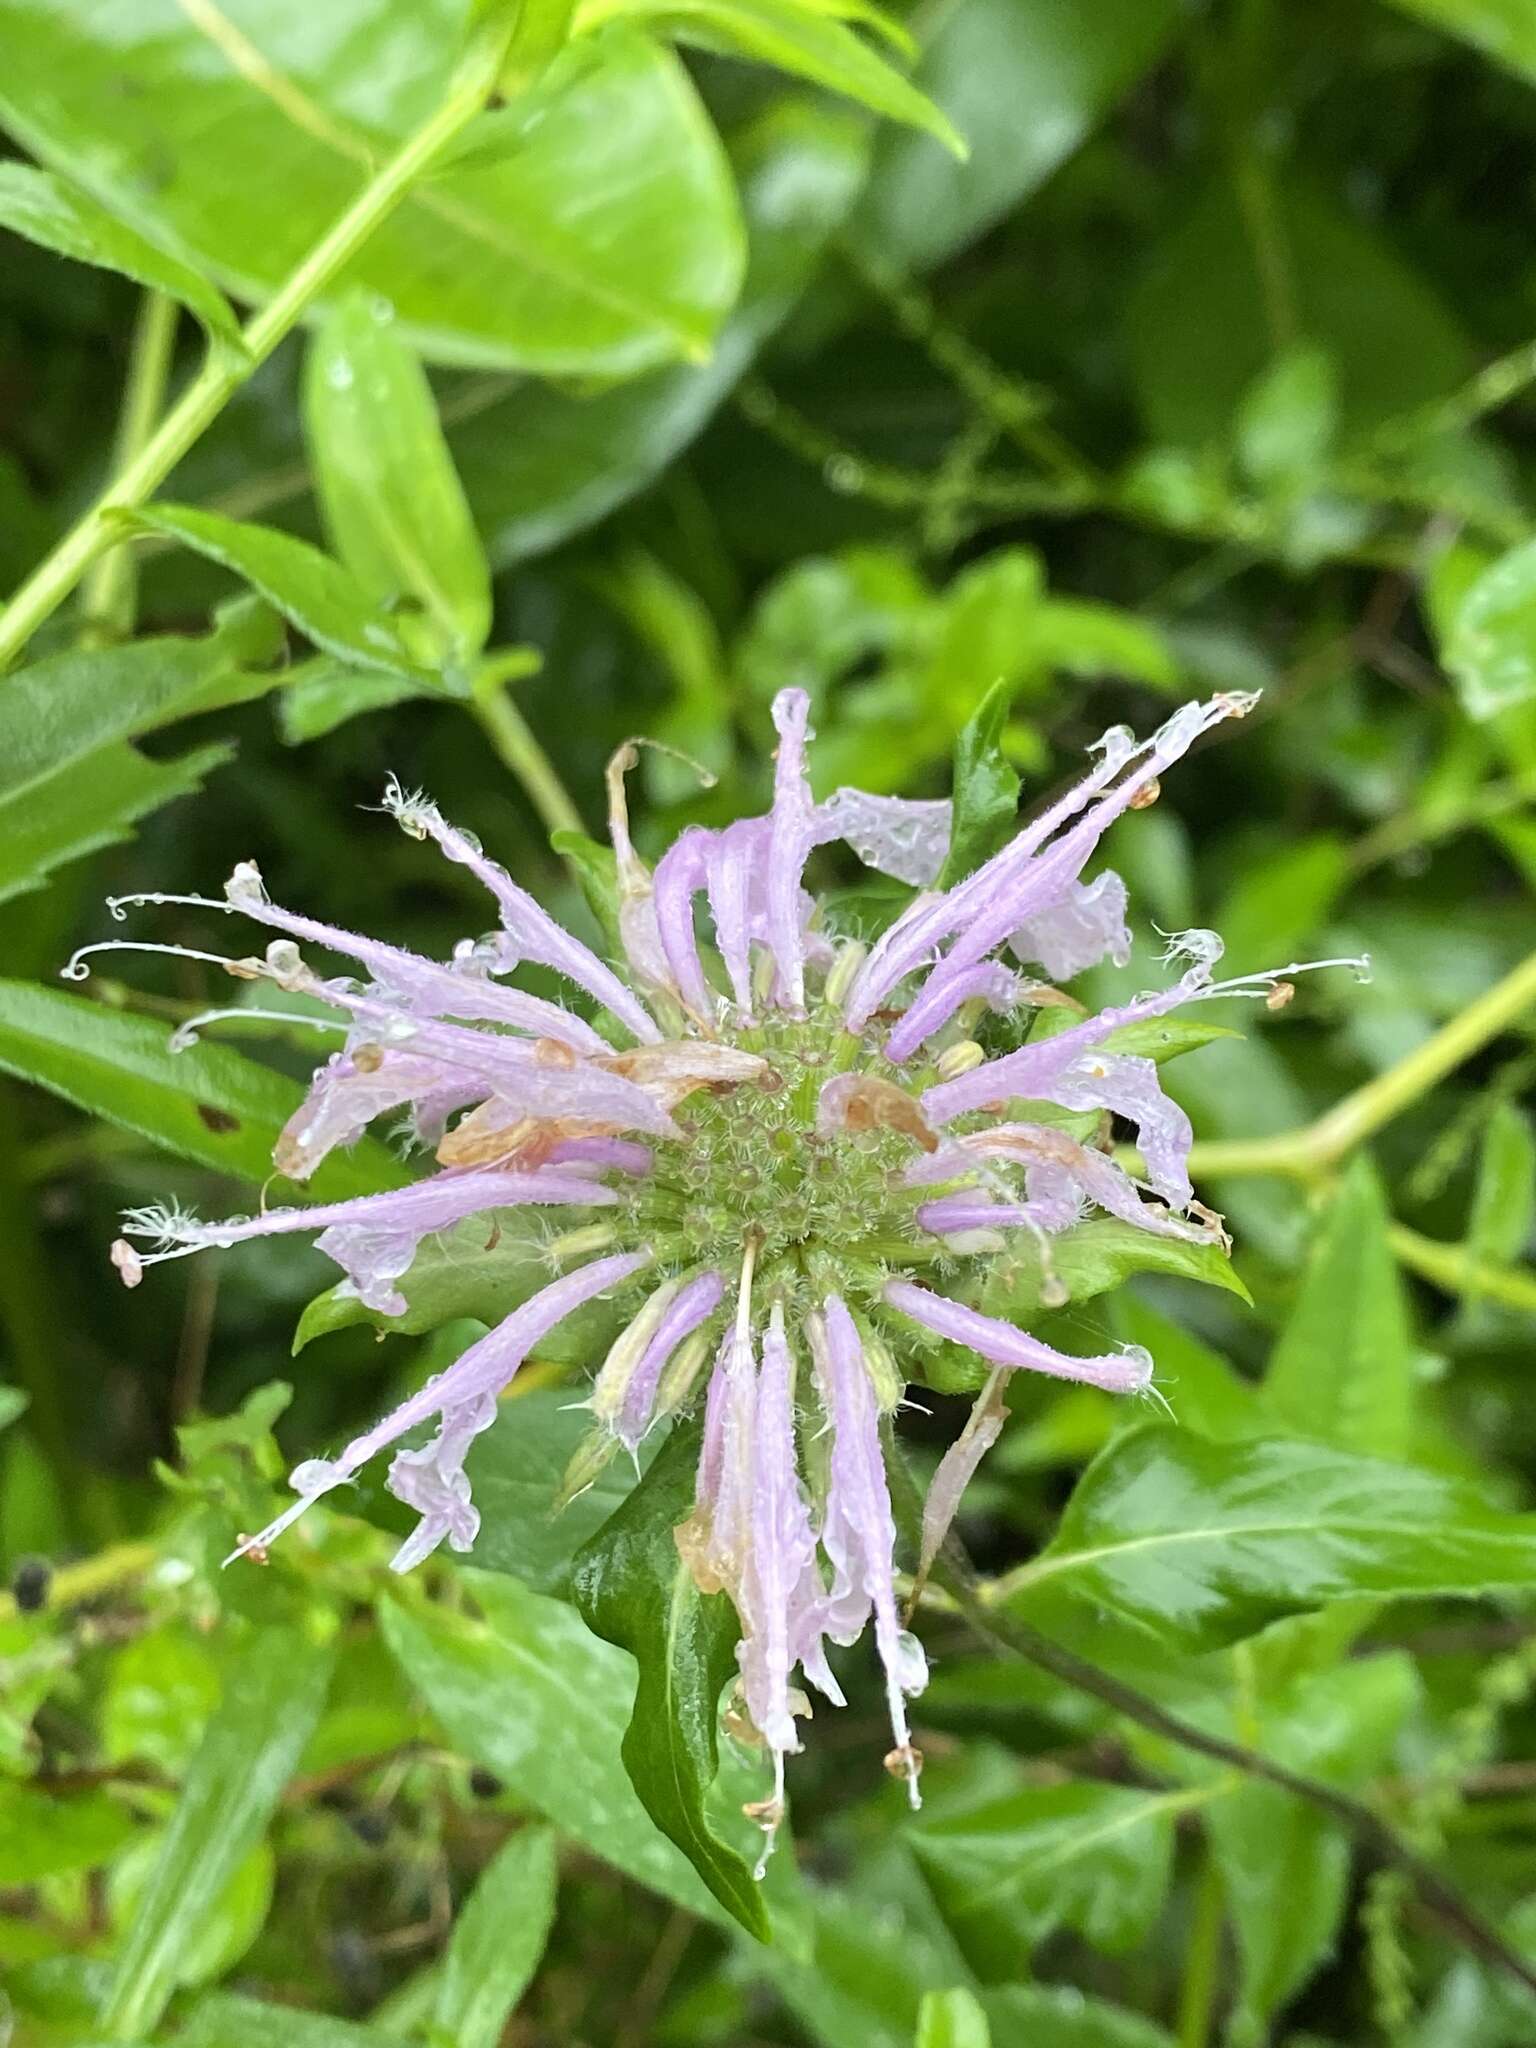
pixel 512 737
pixel 111 589
pixel 1457 1271
pixel 227 368
pixel 1312 1153
pixel 1202 1959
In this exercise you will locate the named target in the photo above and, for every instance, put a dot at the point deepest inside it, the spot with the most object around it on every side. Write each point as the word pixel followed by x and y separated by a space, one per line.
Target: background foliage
pixel 1207 367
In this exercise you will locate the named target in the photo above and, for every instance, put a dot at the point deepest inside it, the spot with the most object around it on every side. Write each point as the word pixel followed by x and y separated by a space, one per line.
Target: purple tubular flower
pixel 464 1399
pixel 1128 1372
pixel 693 1304
pixel 791 1133
pixel 858 1531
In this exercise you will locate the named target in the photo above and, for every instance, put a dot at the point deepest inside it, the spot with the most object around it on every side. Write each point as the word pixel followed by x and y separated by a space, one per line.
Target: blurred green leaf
pixel 496 1943
pixel 224 2019
pixel 1288 418
pixel 391 498
pixel 208 1103
pixel 1284 1865
pixel 13 1402
pixel 805 40
pixel 1092 1857
pixel 1024 81
pixel 602 238
pixel 540 464
pixel 272 1696
pixel 986 789
pixel 1059 2016
pixel 1489 647
pixel 1503 1207
pixel 44 1832
pixel 325 601
pixel 1202 1544
pixel 322 694
pixel 63 708
pixel 533 1696
pixel 88 804
pixel 47 211
pixel 952 2019
pixel 229 1917
pixel 1502 29
pixel 1200 327
pixel 1343 1368
pixel 635 1590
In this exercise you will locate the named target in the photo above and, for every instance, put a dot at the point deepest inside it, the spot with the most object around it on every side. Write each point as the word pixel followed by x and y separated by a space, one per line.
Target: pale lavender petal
pixel 733 877
pixel 1129 1087
pixel 954 1213
pixel 894 835
pixel 680 874
pixel 791 836
pixel 1086 926
pixel 1023 879
pixel 692 1306
pixel 939 1000
pixel 484 1370
pixel 779 1578
pixel 433 1482
pixel 1128 1372
pixel 346 1095
pixel 534 932
pixel 1030 1072
pixel 615 1155
pixel 957 1468
pixel 859 1531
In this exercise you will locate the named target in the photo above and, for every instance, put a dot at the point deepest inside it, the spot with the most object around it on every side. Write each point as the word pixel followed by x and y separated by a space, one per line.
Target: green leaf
pixel 532 1695
pixel 1206 1394
pixel 634 1590
pixel 1082 1855
pixel 1288 418
pixel 1284 1865
pixel 986 790
pixel 44 1832
pixel 1279 900
pixel 1502 29
pixel 1059 2016
pixel 469 1272
pixel 391 498
pixel 541 464
pixel 271 1701
pixel 61 709
pixel 1489 650
pixel 13 1402
pixel 602 239
pixel 325 601
pixel 88 804
pixel 1503 1207
pixel 207 1104
pixel 496 1943
pixel 1093 1257
pixel 322 694
pixel 47 211
pixel 1025 81
pixel 227 2020
pixel 515 1471
pixel 597 872
pixel 1343 1367
pixel 1199 326
pixel 229 1918
pixel 806 41
pixel 952 2019
pixel 1201 1544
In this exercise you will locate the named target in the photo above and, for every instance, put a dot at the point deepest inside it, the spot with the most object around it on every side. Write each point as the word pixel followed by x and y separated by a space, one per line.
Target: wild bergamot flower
pixel 779 1155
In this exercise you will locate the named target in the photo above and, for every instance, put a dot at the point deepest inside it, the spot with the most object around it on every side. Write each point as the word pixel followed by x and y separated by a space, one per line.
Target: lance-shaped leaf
pixel 209 1103
pixel 496 1943
pixel 1201 1544
pixel 391 497
pixel 634 1590
pixel 42 207
pixel 272 1699
pixel 325 601
pixel 986 788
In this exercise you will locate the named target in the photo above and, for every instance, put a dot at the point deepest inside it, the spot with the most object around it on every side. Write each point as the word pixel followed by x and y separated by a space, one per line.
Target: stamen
pixel 73 970
pixel 187 1034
